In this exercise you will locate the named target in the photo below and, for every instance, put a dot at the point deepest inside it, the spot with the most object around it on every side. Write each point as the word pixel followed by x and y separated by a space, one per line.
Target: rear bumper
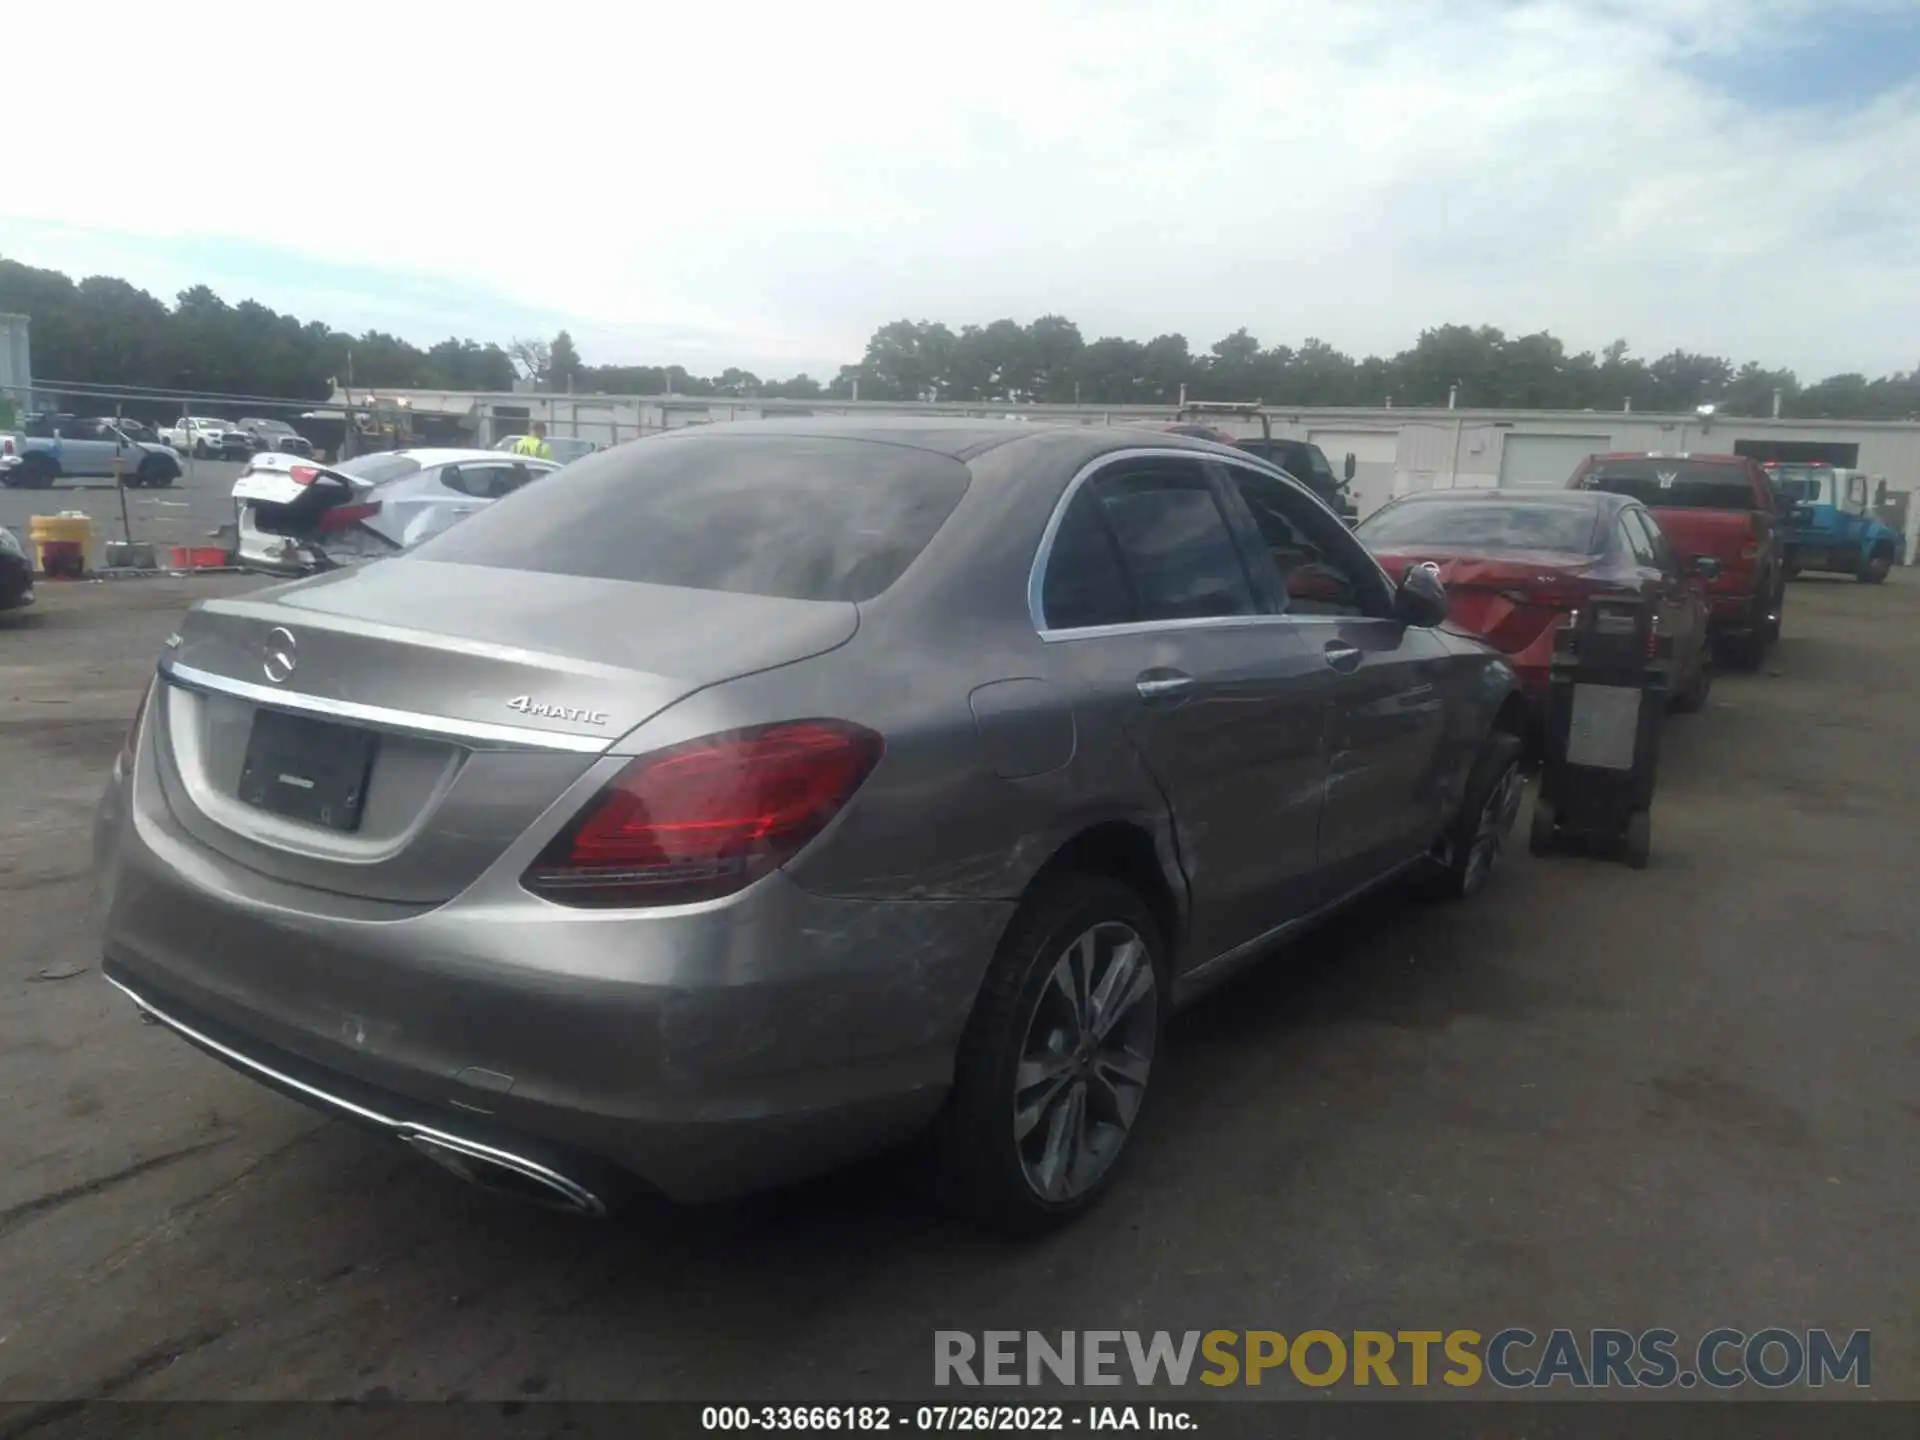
pixel 708 1051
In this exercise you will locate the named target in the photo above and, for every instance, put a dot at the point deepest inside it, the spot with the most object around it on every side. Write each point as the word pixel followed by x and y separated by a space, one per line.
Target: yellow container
pixel 61 543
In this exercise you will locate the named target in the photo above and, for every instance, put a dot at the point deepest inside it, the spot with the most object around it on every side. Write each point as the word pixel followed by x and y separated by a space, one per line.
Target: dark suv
pixel 277 435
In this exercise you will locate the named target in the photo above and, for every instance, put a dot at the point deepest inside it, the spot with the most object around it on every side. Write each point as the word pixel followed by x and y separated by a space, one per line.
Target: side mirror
pixel 1421 600
pixel 1706 567
pixel 1352 464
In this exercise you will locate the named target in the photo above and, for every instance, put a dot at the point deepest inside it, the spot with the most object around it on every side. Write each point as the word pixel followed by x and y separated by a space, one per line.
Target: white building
pixel 1395 451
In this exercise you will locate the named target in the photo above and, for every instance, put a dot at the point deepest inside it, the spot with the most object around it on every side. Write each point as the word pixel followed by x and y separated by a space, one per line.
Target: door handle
pixel 1343 657
pixel 1161 687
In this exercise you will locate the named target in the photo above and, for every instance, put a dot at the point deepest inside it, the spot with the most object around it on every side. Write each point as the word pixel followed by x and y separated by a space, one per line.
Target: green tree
pixel 564 369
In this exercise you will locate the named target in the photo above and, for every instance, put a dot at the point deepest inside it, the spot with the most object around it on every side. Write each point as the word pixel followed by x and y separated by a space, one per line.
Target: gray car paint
pixel 719 1047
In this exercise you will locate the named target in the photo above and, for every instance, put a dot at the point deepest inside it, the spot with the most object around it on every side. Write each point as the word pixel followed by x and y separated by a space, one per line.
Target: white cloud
pixel 776 180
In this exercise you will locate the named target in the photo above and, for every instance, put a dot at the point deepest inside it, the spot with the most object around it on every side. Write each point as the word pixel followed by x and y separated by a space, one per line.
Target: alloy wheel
pixel 1084 1061
pixel 1490 834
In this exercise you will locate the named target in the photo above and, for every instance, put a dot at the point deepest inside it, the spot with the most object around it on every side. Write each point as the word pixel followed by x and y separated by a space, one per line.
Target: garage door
pixel 1375 453
pixel 1546 460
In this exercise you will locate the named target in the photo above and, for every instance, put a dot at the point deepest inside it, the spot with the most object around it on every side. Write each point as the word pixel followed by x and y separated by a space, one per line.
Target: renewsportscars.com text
pixel 1514 1358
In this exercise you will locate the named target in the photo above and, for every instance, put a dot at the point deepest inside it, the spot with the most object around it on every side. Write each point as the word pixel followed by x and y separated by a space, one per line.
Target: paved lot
pixel 182 513
pixel 1686 1097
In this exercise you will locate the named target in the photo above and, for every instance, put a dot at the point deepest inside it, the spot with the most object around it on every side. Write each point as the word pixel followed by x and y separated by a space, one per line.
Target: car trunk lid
pixel 387 731
pixel 1505 597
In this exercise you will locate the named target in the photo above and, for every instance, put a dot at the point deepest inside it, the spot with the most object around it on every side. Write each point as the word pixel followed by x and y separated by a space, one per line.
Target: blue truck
pixel 1833 526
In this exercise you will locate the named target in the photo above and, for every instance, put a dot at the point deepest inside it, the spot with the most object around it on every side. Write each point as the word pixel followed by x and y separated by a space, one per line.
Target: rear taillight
pixel 707 818
pixel 302 474
pixel 6 446
pixel 345 517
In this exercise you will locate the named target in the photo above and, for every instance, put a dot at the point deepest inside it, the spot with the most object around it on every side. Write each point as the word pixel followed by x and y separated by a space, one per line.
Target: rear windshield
pixel 1674 484
pixel 1481 525
pixel 1801 482
pixel 378 469
pixel 797 517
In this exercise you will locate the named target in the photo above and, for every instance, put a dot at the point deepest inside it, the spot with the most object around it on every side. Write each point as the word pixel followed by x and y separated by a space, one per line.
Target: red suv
pixel 1718 505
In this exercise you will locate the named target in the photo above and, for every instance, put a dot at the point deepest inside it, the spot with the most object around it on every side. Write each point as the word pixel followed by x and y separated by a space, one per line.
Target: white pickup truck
pixel 209 439
pixel 56 447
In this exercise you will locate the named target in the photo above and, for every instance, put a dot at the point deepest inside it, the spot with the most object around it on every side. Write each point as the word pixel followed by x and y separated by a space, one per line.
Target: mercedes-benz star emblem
pixel 282 654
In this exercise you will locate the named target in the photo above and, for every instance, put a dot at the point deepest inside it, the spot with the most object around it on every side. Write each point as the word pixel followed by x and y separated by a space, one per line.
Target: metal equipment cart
pixel 1607 699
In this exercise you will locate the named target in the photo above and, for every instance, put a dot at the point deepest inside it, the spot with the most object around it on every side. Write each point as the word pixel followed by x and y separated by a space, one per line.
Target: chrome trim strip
pixel 478 732
pixel 585 1199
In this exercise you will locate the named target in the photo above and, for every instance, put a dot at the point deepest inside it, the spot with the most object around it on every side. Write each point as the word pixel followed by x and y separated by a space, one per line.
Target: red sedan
pixel 1517 565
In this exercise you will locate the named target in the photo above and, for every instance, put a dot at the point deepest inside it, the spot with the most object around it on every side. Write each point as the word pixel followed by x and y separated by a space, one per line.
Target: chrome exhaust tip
pixel 506 1174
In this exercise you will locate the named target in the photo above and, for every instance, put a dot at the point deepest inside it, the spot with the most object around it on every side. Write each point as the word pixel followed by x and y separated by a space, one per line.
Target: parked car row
pixel 750 798
pixel 1698 539
pixel 51 448
pixel 206 438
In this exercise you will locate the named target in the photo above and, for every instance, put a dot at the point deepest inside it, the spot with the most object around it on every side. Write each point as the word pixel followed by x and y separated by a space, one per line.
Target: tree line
pixel 104 331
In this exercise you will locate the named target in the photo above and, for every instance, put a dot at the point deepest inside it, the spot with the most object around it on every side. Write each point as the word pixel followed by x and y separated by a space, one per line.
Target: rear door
pixel 1147 597
pixel 1383 684
pixel 87 448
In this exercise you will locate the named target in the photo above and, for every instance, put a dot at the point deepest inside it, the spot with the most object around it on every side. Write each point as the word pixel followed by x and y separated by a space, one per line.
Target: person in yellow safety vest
pixel 535 444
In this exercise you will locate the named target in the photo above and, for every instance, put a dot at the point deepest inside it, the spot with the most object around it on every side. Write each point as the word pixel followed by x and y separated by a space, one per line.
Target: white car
pixel 296 517
pixel 208 438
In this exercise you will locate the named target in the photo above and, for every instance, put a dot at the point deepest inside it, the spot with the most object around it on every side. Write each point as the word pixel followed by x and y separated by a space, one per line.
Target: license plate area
pixel 306 769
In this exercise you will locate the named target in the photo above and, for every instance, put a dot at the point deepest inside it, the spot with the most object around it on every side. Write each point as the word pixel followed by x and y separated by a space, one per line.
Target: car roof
pixel 1565 499
pixel 1065 442
pixel 429 458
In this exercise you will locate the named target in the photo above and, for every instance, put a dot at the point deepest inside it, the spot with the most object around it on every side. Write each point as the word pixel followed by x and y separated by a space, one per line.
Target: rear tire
pixel 1746 650
pixel 1693 699
pixel 1470 851
pixel 1637 843
pixel 1055 1065
pixel 153 473
pixel 1876 569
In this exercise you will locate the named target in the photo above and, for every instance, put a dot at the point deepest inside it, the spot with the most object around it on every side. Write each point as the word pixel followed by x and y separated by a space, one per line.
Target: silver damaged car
pixel 770 793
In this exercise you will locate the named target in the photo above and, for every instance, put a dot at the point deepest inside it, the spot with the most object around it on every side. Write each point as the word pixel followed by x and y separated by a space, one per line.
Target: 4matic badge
pixel 527 705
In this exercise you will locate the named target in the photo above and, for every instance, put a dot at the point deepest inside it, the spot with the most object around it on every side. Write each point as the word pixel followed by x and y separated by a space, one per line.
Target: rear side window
pixel 795 517
pixel 1675 484
pixel 1639 538
pixel 378 469
pixel 1085 584
pixel 1179 554
pixel 1474 523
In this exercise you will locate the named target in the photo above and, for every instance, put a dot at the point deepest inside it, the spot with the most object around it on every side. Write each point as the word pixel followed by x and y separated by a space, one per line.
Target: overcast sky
pixel 764 184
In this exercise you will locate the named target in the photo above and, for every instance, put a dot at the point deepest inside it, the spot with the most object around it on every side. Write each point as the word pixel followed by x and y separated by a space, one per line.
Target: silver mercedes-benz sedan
pixel 746 800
